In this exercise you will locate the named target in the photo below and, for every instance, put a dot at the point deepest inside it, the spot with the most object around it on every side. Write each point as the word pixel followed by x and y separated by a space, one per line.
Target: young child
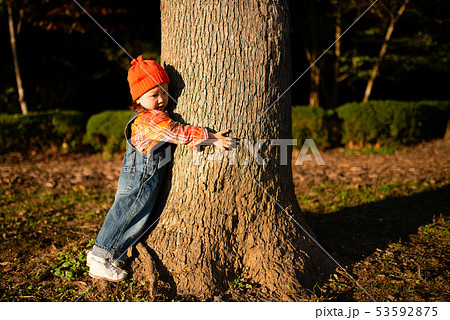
pixel 142 174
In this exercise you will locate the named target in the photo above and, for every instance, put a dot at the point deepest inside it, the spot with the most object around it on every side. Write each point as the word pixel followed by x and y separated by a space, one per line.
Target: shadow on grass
pixel 352 234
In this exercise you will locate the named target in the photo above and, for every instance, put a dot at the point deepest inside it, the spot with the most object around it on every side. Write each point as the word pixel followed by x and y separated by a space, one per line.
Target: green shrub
pixel 38 130
pixel 71 126
pixel 392 122
pixel 105 130
pixel 315 123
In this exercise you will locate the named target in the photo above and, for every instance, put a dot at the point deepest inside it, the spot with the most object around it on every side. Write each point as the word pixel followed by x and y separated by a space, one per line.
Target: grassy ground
pixel 392 237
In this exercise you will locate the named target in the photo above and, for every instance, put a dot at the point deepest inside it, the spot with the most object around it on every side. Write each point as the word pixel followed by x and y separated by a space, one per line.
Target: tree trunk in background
pixel 383 50
pixel 315 78
pixel 337 56
pixel 230 60
pixel 311 55
pixel 20 91
pixel 447 131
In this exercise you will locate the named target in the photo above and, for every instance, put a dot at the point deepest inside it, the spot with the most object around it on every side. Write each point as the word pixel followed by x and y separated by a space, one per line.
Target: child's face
pixel 156 98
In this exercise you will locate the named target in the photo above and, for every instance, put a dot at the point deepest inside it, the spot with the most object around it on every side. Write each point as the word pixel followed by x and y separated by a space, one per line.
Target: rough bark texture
pixel 146 268
pixel 229 62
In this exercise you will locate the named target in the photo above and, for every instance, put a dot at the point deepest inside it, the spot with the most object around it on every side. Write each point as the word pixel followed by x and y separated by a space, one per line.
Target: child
pixel 140 179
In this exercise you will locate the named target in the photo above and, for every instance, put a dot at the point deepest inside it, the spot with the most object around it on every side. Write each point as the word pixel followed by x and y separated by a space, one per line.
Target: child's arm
pixel 159 126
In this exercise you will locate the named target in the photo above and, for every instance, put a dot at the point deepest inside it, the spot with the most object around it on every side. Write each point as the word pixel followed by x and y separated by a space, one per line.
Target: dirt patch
pixel 52 170
pixel 427 161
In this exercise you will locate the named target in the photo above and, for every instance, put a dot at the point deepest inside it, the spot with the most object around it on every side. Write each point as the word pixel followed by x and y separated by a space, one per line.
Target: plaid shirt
pixel 152 126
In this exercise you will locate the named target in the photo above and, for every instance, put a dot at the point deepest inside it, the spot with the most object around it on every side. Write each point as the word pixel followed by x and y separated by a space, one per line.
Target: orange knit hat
pixel 145 75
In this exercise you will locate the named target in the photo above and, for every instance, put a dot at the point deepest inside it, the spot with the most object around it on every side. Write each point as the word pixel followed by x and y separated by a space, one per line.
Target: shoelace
pixel 111 267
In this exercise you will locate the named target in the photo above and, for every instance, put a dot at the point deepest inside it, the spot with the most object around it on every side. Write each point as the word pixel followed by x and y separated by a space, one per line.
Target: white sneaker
pixel 89 258
pixel 106 269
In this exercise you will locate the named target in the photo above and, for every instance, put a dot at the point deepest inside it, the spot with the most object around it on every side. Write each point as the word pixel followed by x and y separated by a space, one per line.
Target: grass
pixel 331 197
pixel 381 150
pixel 44 247
pixel 45 236
pixel 416 270
pixel 393 237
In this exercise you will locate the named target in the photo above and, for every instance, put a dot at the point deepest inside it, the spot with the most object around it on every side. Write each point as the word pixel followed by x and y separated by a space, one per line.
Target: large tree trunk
pixel 230 61
pixel 12 37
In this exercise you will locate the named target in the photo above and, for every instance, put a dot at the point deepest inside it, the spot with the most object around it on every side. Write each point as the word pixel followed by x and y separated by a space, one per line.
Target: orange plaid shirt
pixel 152 126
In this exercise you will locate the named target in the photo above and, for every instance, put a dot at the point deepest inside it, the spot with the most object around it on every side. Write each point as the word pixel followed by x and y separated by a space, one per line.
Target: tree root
pixel 144 268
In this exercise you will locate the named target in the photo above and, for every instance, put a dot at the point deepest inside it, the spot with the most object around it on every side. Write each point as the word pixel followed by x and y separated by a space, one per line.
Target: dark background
pixel 68 62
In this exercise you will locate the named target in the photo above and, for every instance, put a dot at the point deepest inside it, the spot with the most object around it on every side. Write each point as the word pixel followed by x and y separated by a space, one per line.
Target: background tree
pixel 311 31
pixel 312 52
pixel 12 37
pixel 231 62
pixel 391 13
pixel 65 45
pixel 337 53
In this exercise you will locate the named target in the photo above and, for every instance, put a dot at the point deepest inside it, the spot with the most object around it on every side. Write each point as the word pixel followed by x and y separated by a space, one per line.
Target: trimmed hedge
pixel 383 122
pixel 38 130
pixel 375 122
pixel 105 130
pixel 392 122
pixel 315 123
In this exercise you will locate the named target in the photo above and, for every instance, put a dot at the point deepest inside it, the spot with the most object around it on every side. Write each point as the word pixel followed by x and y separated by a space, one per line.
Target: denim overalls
pixel 138 187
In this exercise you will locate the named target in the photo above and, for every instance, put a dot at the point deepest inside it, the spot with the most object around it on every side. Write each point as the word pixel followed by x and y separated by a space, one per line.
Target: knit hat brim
pixel 148 83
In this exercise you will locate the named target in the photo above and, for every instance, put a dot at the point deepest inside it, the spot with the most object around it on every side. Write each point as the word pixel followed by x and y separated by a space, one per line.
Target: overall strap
pixel 141 158
pixel 127 131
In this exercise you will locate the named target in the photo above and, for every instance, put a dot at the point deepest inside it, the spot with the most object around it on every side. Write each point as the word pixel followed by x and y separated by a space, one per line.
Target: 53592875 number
pixel 406 311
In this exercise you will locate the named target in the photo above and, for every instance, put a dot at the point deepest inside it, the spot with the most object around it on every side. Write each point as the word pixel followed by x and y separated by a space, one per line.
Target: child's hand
pixel 220 141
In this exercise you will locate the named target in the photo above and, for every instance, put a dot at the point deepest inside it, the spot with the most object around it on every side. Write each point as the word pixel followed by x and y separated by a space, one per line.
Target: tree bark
pixel 229 61
pixel 20 91
pixel 383 50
